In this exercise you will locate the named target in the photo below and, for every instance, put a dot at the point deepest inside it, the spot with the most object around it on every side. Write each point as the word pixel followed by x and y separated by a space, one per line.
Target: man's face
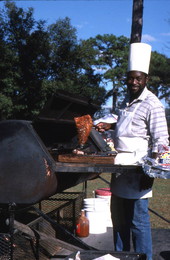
pixel 136 81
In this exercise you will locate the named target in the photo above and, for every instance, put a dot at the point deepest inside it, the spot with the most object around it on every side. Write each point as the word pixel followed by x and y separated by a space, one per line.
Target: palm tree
pixel 137 21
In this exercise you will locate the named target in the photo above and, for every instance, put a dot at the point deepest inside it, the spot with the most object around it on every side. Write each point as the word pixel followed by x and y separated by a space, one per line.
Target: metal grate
pixel 28 248
pixel 62 208
pixel 5 246
pixel 24 248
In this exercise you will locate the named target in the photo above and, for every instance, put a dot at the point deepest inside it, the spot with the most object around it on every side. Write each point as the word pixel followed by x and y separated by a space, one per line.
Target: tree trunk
pixel 114 104
pixel 137 21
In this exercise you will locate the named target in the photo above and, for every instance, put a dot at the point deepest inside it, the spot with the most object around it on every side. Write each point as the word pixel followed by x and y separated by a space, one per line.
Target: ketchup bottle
pixel 82 225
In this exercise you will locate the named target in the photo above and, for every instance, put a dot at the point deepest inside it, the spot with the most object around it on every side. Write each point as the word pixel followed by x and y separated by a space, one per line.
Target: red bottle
pixel 82 225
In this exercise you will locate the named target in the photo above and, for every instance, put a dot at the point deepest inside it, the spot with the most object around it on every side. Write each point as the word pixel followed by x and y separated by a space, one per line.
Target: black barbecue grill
pixel 28 171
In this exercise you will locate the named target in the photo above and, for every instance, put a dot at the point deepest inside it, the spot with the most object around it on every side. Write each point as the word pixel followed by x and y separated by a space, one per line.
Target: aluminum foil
pixel 155 170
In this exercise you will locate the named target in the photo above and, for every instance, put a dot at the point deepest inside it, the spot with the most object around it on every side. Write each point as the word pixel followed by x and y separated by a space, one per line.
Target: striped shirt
pixel 149 120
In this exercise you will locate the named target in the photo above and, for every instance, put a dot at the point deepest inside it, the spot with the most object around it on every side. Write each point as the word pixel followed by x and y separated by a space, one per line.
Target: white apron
pixel 125 140
pixel 130 149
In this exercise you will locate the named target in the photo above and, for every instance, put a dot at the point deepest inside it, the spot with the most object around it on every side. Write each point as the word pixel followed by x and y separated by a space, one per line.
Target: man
pixel 141 127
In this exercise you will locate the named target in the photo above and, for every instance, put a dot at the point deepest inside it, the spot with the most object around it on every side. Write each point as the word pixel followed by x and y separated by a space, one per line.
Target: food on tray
pixel 165 158
pixel 78 152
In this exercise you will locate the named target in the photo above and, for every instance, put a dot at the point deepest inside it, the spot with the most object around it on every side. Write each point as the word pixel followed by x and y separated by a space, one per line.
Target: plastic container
pixel 82 225
pixel 105 193
pixel 95 209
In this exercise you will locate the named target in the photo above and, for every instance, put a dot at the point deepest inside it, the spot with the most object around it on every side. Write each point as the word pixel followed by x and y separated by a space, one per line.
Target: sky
pixel 92 17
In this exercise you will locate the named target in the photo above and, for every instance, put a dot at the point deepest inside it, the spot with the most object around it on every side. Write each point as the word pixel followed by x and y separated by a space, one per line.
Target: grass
pixel 159 203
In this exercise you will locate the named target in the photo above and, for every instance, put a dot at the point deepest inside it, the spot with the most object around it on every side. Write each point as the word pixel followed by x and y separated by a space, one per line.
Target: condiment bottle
pixel 82 225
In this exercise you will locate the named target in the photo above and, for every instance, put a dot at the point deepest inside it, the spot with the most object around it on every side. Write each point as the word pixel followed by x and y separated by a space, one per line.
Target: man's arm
pixel 159 135
pixel 158 129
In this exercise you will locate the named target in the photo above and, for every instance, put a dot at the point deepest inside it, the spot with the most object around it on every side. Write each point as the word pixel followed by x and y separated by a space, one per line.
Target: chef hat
pixel 139 57
pixel 110 119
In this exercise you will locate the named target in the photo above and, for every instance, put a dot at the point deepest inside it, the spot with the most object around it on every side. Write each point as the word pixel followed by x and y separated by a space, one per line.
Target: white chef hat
pixel 109 118
pixel 139 57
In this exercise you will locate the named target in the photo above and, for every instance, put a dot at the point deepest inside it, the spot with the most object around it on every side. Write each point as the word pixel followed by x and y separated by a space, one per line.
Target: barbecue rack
pixel 41 230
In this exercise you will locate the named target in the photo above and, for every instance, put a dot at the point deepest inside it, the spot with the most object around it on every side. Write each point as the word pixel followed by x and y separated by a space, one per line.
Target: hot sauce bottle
pixel 82 225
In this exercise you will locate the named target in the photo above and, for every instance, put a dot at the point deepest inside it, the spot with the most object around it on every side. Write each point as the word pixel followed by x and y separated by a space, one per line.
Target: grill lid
pixel 27 171
pixel 55 123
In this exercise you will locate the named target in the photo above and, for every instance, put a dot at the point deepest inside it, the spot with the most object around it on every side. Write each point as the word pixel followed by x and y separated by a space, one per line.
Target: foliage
pixel 36 61
pixel 25 60
pixel 70 68
pixel 63 43
pixel 5 106
pixel 159 82
pixel 111 61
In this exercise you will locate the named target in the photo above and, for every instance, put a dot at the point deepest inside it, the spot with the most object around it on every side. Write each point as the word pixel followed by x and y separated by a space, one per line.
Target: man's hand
pixel 146 182
pixel 101 127
pixel 154 155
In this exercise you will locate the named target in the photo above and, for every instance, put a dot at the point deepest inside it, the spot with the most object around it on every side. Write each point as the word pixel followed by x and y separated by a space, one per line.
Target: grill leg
pixel 35 247
pixel 11 227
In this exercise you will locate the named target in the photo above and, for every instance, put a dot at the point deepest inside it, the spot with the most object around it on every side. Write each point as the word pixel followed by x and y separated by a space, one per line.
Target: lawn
pixel 159 203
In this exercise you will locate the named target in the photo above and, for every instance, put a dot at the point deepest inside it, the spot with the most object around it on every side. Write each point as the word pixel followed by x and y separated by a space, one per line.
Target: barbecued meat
pixel 84 125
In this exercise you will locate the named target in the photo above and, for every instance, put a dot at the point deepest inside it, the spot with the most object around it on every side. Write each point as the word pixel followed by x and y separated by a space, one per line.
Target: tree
pixel 26 49
pixel 70 63
pixel 109 56
pixel 63 42
pixel 159 82
pixel 137 21
pixel 111 61
pixel 36 61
